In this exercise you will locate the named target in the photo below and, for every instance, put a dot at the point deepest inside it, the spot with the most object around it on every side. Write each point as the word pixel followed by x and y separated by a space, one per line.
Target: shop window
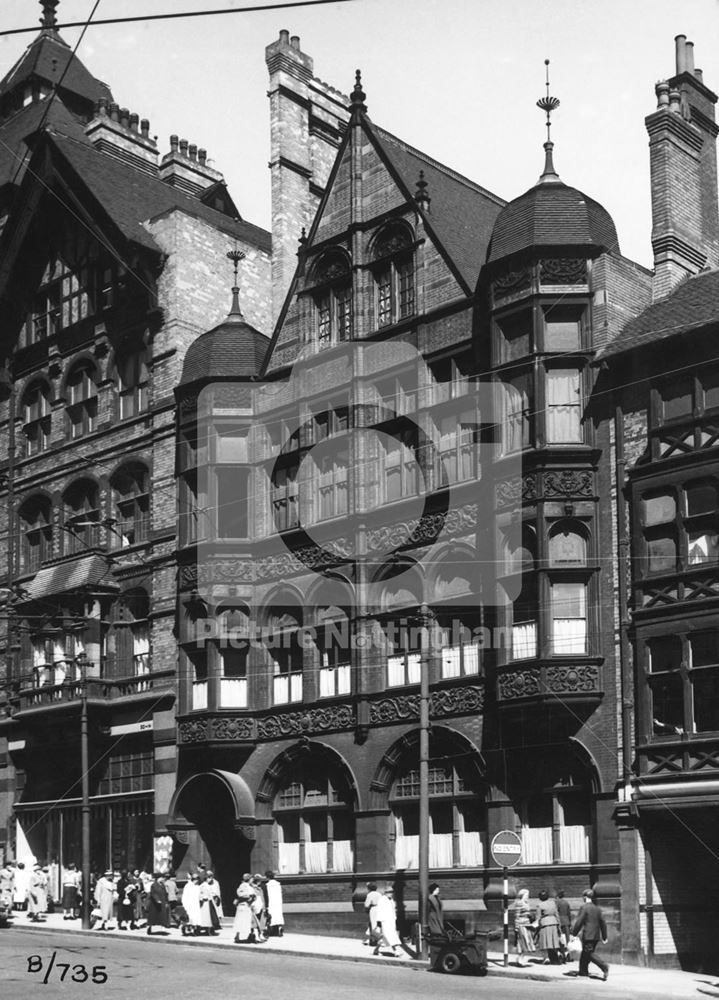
pixel 36 418
pixel 556 822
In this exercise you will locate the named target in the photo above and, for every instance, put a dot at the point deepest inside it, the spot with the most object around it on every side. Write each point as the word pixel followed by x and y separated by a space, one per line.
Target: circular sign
pixel 506 849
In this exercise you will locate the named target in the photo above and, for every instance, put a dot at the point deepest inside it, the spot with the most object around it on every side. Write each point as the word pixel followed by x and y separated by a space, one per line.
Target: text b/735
pixel 66 970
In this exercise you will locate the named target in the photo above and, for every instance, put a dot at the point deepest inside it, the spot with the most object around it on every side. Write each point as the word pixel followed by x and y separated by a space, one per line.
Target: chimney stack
pixel 186 168
pixel 682 154
pixel 114 131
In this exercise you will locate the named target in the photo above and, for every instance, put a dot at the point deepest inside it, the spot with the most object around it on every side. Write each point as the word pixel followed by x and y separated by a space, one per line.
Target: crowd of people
pixel 138 899
pixel 548 927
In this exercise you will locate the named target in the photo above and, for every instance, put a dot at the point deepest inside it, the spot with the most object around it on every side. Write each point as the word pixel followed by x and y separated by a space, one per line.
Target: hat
pixel 107 872
pixel 588 894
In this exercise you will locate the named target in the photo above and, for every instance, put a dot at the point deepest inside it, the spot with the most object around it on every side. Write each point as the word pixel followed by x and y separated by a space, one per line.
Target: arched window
pixel 132 383
pixel 36 523
pixel 81 404
pixel 36 417
pixel 82 516
pixel 567 547
pixel 286 654
pixel 393 270
pixel 131 503
pixel 331 282
pixel 314 818
pixel 457 816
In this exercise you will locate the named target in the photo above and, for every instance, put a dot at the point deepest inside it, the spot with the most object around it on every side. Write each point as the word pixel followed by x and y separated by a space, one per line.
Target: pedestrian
pixel 173 900
pixel 105 898
pixel 158 910
pixel 370 904
pixel 435 912
pixel 259 913
pixel 22 881
pixel 138 896
pixel 243 924
pixel 191 905
pixel 592 929
pixel 209 922
pixel 126 893
pixel 214 887
pixel 523 917
pixel 564 912
pixel 7 886
pixel 387 924
pixel 37 894
pixel 548 936
pixel 71 884
pixel 275 909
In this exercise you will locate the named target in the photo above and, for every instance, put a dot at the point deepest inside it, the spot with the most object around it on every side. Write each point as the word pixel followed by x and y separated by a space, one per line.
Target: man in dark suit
pixel 591 927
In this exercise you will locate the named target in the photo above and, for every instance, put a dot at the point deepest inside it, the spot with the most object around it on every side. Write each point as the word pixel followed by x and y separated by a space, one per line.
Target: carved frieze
pixel 512 281
pixel 188 575
pixel 572 679
pixel 449 701
pixel 233 728
pixel 568 483
pixel 563 271
pixel 225 571
pixel 518 684
pixel 193 730
pixel 424 529
pixel 301 723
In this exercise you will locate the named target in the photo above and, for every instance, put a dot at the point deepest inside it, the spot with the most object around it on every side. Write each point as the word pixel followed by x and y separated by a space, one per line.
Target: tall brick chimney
pixel 307 119
pixel 683 166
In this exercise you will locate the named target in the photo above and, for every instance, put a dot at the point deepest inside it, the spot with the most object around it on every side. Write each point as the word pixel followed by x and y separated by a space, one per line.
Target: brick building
pixel 113 260
pixel 433 433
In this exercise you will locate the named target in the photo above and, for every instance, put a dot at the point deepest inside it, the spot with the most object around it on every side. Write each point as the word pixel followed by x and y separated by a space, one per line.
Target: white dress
pixel 242 925
pixel 191 902
pixel 387 917
pixel 274 903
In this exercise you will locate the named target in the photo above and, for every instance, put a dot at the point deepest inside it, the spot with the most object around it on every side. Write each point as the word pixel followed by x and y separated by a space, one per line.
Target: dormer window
pixel 331 282
pixel 62 300
pixel 394 274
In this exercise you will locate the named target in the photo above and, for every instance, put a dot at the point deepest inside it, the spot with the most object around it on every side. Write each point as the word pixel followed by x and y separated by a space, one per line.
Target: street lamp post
pixel 425 622
pixel 85 809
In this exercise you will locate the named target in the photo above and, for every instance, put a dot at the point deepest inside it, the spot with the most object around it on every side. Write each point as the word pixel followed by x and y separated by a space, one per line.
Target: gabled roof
pixel 23 124
pixel 693 304
pixel 47 58
pixel 461 213
pixel 131 197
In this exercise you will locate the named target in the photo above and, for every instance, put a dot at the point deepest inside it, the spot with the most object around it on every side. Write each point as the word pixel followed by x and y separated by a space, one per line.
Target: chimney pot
pixel 102 106
pixel 699 75
pixel 295 42
pixel 183 147
pixel 115 112
pixel 193 152
pixel 173 143
pixel 134 119
pixel 124 117
pixel 675 99
pixel 680 43
pixel 202 156
pixel 285 37
pixel 145 128
pixel 662 91
pixel 689 49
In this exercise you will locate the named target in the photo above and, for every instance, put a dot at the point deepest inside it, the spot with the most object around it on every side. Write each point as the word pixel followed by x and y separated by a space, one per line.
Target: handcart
pixel 456 953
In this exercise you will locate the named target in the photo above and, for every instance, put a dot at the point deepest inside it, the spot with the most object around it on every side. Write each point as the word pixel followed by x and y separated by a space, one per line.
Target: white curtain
pixel 470 849
pixel 524 641
pixel 451 661
pixel 344 681
pixel 342 856
pixel 296 687
pixel 406 852
pixel 563 405
pixel 316 856
pixel 280 689
pixel 289 858
pixel 414 668
pixel 471 658
pixel 574 843
pixel 440 850
pixel 233 692
pixel 199 695
pixel 570 635
pixel 327 682
pixel 395 671
pixel 141 648
pixel 537 845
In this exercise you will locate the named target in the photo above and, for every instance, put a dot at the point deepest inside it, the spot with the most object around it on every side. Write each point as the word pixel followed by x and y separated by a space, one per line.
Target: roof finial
pixel 358 97
pixel 235 256
pixel 49 17
pixel 548 104
pixel 421 195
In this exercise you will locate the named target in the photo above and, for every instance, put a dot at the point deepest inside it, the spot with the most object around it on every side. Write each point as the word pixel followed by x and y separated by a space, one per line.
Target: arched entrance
pixel 214 813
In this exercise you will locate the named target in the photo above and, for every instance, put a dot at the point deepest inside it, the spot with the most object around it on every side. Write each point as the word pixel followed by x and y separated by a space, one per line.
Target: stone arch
pixel 287 759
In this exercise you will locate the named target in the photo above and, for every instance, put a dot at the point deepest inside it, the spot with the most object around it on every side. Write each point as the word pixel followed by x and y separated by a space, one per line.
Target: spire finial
pixel 358 97
pixel 49 17
pixel 235 256
pixel 548 104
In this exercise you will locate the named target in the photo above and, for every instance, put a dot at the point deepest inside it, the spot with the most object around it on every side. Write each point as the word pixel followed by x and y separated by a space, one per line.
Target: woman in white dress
pixel 209 922
pixel 191 903
pixel 387 924
pixel 275 911
pixel 242 926
pixel 105 898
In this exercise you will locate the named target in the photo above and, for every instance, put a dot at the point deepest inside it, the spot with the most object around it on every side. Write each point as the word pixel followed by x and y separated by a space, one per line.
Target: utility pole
pixel 85 809
pixel 425 620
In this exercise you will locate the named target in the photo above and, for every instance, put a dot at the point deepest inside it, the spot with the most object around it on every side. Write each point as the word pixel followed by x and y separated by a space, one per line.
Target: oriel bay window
pixel 314 820
pixel 399 464
pixel 128 642
pixel 568 609
pixel 458 441
pixel 564 405
pixel 682 673
pixel 460 647
pixel 680 526
pixel 232 474
pixel 681 412
pixel 284 496
pixel 517 416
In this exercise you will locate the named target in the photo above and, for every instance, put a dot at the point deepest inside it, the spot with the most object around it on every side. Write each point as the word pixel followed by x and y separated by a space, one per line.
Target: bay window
pixel 564 406
pixel 568 606
pixel 517 413
pixel 682 672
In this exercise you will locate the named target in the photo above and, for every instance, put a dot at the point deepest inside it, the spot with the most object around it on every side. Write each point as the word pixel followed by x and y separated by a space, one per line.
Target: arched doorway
pixel 215 810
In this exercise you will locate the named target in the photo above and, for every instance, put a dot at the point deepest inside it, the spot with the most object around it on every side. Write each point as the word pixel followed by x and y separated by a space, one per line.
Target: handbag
pixel 574 947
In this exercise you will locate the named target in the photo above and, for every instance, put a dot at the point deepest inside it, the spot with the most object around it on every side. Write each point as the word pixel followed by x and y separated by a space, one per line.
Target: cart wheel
pixel 450 962
pixel 482 970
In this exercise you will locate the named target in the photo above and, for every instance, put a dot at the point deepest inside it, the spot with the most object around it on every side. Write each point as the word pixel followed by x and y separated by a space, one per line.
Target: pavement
pixel 636 980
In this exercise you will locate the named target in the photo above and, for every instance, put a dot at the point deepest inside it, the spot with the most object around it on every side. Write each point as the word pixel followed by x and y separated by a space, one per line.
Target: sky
pixel 456 78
